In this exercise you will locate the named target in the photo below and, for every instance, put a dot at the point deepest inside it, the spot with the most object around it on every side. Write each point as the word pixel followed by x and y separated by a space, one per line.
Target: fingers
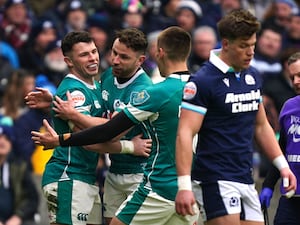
pixel 185 203
pixel 49 128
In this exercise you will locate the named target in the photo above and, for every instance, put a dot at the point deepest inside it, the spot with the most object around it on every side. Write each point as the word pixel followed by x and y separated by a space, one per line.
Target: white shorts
pixel 227 197
pixel 73 202
pixel 117 187
pixel 148 208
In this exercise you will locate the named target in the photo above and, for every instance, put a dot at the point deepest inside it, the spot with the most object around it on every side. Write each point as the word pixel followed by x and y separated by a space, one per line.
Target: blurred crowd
pixel 30 56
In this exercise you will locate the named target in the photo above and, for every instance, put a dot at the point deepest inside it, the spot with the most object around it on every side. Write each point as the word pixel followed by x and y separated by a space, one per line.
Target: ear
pixel 141 59
pixel 225 44
pixel 68 61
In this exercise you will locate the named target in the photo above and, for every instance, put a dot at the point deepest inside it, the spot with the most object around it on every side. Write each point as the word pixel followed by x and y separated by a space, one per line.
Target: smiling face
pixel 125 61
pixel 238 53
pixel 83 61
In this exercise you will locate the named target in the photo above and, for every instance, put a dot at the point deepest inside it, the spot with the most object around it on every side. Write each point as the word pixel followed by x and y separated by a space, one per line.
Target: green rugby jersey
pixel 115 96
pixel 157 107
pixel 74 162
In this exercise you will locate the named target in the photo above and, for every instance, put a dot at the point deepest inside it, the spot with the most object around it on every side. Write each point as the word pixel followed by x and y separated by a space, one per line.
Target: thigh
pixel 288 211
pixel 71 202
pixel 148 208
pixel 117 188
pixel 225 198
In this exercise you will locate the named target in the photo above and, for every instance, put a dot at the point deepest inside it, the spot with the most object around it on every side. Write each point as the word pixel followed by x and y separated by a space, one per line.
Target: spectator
pixel 291 38
pixel 32 54
pixel 279 14
pixel 18 195
pixel 134 15
pixel 204 40
pixel 268 47
pixel 20 83
pixel 16 23
pixel 75 16
pixel 163 18
pixel 55 66
pixel 150 64
pixel 188 15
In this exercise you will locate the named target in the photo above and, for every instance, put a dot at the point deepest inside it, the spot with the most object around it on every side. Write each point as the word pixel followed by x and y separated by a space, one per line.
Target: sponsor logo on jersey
pixel 294 129
pixel 293 158
pixel 78 98
pixel 139 98
pixel 244 102
pixel 189 91
pixel 82 216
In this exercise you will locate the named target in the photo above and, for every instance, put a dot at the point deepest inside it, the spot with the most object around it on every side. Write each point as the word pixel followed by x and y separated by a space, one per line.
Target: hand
pixel 184 202
pixel 49 139
pixel 265 197
pixel 142 147
pixel 40 98
pixel 64 109
pixel 290 180
pixel 14 220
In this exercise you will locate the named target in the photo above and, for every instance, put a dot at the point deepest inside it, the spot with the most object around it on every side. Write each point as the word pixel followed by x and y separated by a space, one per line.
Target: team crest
pixel 249 79
pixel 189 91
pixel 139 98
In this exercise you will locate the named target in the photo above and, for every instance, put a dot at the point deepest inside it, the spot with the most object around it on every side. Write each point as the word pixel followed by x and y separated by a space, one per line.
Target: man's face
pixel 125 61
pixel 240 52
pixel 84 60
pixel 294 70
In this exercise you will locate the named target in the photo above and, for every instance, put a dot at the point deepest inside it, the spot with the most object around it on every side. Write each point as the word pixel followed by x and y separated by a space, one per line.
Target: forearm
pixel 98 134
pixel 84 121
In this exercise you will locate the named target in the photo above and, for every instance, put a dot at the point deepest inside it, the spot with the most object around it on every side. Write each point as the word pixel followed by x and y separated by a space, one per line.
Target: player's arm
pixel 266 139
pixel 66 111
pixel 189 125
pixel 97 134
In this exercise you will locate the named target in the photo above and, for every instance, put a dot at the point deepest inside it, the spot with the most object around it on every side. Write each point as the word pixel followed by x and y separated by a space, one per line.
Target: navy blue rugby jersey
pixel 229 103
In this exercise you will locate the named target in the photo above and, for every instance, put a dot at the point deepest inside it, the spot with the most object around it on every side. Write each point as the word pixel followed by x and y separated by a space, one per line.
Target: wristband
pixel 184 183
pixel 280 162
pixel 127 147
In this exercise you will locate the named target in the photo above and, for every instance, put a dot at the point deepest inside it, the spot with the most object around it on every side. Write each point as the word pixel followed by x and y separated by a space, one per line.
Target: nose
pixel 115 59
pixel 251 50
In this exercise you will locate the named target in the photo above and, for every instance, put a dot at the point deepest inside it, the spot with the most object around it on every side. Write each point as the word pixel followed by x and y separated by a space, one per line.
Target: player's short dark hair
pixel 238 24
pixel 176 42
pixel 73 38
pixel 133 38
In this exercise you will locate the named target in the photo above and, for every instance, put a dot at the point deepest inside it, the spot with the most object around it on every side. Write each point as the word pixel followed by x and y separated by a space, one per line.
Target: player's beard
pixel 57 65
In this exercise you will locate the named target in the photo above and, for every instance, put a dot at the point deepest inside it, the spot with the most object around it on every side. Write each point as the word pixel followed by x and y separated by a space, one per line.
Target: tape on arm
pixel 184 183
pixel 127 147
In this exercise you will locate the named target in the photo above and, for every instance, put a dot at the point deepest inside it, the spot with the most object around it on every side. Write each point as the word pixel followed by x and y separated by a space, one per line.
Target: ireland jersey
pixel 157 108
pixel 115 96
pixel 74 163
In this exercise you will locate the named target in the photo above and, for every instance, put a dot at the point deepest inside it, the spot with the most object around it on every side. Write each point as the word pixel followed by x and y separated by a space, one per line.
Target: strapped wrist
pixel 127 147
pixel 280 162
pixel 184 183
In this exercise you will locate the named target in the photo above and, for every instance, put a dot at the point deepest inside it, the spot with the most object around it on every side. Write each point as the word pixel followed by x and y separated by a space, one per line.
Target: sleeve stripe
pixel 194 108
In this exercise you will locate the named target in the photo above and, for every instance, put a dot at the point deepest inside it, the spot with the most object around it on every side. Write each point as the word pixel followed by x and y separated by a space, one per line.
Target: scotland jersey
pixel 115 96
pixel 290 124
pixel 157 108
pixel 229 102
pixel 74 163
